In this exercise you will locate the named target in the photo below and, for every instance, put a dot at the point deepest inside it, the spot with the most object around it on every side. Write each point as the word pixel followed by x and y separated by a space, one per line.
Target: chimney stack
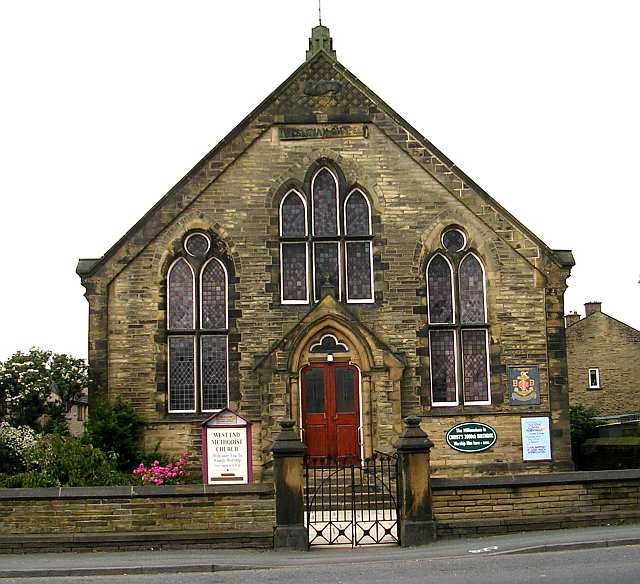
pixel 571 318
pixel 592 307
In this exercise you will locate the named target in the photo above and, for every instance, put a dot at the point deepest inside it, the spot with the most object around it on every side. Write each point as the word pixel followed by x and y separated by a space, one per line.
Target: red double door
pixel 331 411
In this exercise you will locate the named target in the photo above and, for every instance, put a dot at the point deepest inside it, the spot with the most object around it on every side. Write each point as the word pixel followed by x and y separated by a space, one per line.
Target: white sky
pixel 104 106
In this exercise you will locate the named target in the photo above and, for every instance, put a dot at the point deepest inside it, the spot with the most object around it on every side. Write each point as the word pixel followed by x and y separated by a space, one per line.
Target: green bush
pixel 10 462
pixel 583 426
pixel 26 480
pixel 116 428
pixel 63 461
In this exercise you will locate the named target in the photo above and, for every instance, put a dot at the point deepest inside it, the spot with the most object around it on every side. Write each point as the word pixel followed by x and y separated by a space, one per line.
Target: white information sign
pixel 226 446
pixel 536 439
pixel 227 456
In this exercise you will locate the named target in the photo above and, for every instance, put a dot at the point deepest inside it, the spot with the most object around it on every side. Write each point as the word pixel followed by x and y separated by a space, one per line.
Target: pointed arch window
pixel 294 260
pixel 338 245
pixel 358 247
pixel 197 331
pixel 458 327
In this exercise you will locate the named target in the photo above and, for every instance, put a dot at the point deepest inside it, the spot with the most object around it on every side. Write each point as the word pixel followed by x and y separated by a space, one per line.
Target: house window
pixel 338 248
pixel 594 378
pixel 197 330
pixel 458 328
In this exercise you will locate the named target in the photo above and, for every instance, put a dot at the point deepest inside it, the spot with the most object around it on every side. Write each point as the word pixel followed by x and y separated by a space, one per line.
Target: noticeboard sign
pixel 536 439
pixel 226 449
pixel 471 437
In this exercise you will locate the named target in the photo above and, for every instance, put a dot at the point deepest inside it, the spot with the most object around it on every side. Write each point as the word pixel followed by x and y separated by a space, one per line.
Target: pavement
pixel 34 565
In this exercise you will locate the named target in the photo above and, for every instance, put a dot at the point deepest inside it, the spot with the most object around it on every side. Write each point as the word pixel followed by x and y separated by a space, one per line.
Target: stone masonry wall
pixel 227 516
pixel 196 516
pixel 553 501
pixel 614 348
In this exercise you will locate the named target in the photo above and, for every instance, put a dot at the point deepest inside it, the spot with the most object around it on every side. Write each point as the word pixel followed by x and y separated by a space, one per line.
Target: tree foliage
pixel 116 428
pixel 28 380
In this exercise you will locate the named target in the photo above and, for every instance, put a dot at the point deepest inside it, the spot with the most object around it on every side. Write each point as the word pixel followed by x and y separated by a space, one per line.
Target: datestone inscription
pixel 319 132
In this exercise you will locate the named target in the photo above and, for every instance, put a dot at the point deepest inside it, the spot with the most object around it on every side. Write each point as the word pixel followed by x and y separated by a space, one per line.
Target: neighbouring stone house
pixel 326 262
pixel 603 356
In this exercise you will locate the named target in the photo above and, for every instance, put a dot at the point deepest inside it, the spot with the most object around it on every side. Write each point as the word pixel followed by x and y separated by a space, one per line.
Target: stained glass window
pixel 326 266
pixel 214 371
pixel 214 296
pixel 359 270
pixel 440 300
pixel 458 346
pixel 180 301
pixel 356 211
pixel 474 359
pixel 328 246
pixel 181 375
pixel 453 240
pixel 189 349
pixel 329 345
pixel 294 272
pixel 325 205
pixel 443 366
pixel 293 216
pixel 471 291
pixel 197 245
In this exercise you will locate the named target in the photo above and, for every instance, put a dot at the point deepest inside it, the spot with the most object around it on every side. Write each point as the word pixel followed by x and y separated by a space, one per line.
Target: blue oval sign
pixel 471 437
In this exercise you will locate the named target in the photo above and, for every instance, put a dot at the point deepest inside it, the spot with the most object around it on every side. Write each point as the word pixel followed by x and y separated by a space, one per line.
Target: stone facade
pixel 601 342
pixel 322 116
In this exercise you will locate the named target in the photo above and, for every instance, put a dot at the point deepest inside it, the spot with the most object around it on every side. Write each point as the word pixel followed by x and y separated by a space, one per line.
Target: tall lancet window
pixel 326 237
pixel 358 247
pixel 197 330
pixel 294 283
pixel 326 232
pixel 458 327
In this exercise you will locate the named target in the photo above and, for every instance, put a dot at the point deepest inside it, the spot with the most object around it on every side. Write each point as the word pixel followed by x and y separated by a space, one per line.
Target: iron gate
pixel 352 503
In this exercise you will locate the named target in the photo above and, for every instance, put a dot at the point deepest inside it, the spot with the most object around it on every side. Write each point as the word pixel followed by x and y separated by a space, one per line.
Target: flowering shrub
pixel 17 440
pixel 156 474
pixel 16 444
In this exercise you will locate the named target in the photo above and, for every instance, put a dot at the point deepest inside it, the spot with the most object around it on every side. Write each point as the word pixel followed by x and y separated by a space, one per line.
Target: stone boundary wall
pixel 113 518
pixel 494 505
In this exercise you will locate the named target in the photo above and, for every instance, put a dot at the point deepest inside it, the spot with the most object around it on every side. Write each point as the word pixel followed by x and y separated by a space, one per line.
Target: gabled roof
pixel 296 101
pixel 599 314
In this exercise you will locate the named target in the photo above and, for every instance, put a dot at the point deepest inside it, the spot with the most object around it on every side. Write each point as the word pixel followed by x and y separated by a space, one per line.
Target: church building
pixel 326 263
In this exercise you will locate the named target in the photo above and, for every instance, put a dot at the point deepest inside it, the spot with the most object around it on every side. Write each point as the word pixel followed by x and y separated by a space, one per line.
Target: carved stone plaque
pixel 322 131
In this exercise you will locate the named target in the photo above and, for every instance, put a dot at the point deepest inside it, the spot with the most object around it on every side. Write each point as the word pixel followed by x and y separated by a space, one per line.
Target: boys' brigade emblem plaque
pixel 524 385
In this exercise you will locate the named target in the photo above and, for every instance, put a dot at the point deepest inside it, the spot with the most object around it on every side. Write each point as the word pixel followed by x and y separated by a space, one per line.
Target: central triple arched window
pixel 325 238
pixel 197 330
pixel 458 327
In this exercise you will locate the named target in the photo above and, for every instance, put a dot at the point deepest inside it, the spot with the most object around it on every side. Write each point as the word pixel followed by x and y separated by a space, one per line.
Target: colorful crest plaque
pixel 524 385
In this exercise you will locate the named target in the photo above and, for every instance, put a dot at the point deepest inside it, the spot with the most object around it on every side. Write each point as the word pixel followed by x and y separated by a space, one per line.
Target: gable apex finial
pixel 320 41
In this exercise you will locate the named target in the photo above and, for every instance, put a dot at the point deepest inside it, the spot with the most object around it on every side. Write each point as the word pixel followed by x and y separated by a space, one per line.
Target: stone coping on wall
pixel 127 492
pixel 531 480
